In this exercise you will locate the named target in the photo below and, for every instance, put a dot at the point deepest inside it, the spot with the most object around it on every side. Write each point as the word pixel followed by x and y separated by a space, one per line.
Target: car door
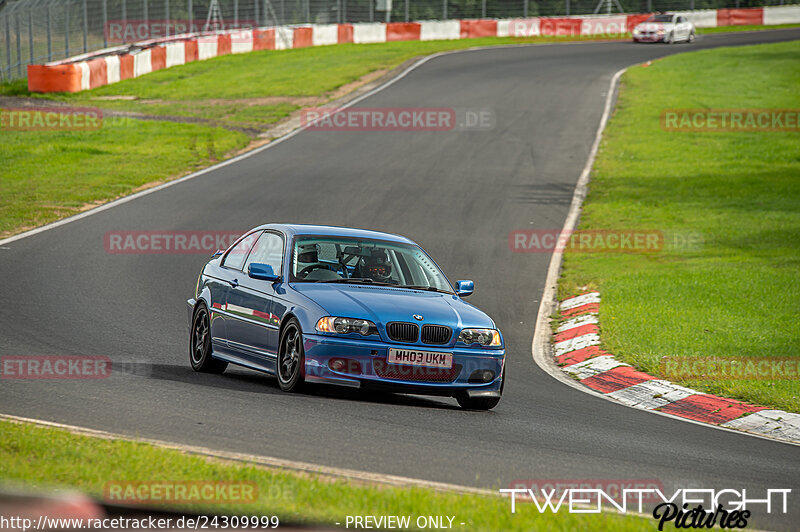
pixel 682 29
pixel 222 278
pixel 251 325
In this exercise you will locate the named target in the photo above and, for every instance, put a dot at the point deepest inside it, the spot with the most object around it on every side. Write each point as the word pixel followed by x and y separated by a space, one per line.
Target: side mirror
pixel 464 288
pixel 262 272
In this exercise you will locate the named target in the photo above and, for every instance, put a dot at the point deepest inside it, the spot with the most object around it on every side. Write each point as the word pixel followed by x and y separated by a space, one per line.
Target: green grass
pixel 45 176
pixel 736 295
pixel 44 458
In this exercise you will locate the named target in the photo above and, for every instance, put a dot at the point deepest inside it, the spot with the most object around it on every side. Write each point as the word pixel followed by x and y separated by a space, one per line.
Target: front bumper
pixel 649 37
pixel 366 367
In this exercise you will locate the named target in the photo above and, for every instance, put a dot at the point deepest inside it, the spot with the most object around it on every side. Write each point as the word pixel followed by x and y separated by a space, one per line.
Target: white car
pixel 665 28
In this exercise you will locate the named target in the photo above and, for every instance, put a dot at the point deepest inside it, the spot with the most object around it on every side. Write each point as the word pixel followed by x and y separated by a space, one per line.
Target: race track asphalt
pixel 458 194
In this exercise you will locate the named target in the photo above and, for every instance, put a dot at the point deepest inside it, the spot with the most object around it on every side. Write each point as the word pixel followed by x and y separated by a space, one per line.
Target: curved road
pixel 458 194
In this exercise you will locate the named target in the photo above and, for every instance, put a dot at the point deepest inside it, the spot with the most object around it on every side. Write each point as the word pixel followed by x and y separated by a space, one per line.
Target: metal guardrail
pixel 39 31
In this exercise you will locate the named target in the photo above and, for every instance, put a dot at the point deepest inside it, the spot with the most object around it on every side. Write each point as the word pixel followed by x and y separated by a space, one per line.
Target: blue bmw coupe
pixel 319 304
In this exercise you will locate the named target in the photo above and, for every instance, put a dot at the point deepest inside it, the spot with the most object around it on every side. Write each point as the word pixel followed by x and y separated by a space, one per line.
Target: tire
pixel 291 358
pixel 669 39
pixel 200 344
pixel 690 38
pixel 481 403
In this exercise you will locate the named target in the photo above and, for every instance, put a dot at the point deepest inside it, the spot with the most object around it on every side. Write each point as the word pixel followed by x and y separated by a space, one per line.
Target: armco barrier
pixel 110 66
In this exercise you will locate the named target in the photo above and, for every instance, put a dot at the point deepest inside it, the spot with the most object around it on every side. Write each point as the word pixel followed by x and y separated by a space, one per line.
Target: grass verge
pixel 737 294
pixel 45 458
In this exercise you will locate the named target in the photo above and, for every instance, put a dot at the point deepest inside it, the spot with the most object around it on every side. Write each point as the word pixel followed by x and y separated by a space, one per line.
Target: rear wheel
pixel 200 344
pixel 291 358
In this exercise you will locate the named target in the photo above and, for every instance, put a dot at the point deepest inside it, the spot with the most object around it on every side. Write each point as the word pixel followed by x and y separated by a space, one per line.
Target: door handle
pixel 234 283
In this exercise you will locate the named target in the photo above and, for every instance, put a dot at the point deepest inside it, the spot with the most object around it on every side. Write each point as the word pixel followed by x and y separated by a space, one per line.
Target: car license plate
pixel 413 357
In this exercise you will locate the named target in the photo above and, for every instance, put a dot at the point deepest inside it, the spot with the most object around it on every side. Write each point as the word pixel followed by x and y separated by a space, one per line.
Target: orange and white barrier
pixel 116 64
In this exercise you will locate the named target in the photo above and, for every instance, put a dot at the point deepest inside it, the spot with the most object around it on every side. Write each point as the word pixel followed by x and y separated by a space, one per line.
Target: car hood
pixel 382 304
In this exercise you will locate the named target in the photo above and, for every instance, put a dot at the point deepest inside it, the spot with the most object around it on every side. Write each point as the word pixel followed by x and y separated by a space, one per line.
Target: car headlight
pixel 333 324
pixel 486 337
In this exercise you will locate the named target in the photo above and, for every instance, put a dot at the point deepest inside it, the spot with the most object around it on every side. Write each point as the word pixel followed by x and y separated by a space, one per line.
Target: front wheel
pixel 691 37
pixel 200 344
pixel 476 403
pixel 669 39
pixel 291 358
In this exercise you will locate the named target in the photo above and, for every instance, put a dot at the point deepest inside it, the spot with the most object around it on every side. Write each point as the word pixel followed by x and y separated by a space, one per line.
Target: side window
pixel 268 250
pixel 236 256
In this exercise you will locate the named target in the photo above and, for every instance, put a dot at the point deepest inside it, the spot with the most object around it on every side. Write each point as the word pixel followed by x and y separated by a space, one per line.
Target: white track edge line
pixel 541 349
pixel 290 465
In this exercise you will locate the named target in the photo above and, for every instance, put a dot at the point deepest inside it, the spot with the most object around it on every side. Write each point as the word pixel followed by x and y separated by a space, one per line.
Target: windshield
pixel 359 261
pixel 660 18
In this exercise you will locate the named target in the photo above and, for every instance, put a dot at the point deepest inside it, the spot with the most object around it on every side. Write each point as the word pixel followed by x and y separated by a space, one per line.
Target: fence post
pixel 525 9
pixel 308 11
pixel 145 14
pixel 105 24
pixel 483 9
pixel 444 9
pixel 49 34
pixel 124 20
pixel 406 10
pixel 255 11
pixel 344 11
pixel 190 11
pixel 30 36
pixel 371 10
pixel 566 6
pixel 66 31
pixel 86 28
pixel 19 46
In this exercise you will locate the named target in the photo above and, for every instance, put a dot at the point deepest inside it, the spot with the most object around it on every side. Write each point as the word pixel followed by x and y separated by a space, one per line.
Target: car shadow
pixel 244 380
